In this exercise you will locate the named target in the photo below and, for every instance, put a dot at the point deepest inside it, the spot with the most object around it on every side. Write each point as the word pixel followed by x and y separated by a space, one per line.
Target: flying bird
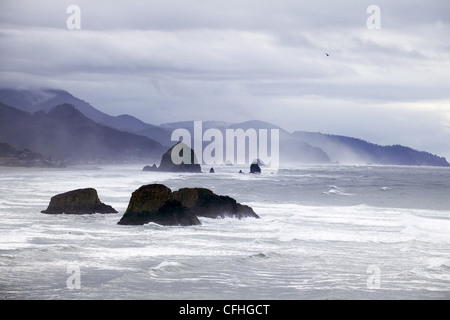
pixel 327 54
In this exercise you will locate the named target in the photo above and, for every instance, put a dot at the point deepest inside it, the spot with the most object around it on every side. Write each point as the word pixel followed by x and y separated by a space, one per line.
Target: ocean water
pixel 326 232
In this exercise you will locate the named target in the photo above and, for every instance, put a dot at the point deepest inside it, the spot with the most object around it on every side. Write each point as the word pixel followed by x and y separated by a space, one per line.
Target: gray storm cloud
pixel 166 61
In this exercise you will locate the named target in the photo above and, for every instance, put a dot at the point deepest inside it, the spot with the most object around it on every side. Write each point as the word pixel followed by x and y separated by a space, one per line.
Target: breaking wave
pixel 337 191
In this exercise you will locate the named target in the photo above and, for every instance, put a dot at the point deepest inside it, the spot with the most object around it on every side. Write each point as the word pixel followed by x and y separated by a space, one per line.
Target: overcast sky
pixel 173 60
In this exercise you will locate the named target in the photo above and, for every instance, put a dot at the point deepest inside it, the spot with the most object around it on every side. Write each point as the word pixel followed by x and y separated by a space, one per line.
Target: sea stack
pixel 188 162
pixel 205 203
pixel 158 204
pixel 80 201
pixel 155 203
pixel 254 168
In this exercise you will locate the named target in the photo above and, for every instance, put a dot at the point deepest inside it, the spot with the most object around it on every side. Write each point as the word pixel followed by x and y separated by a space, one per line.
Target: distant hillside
pixel 352 150
pixel 11 157
pixel 291 150
pixel 310 147
pixel 90 128
pixel 45 99
pixel 65 133
pixel 161 135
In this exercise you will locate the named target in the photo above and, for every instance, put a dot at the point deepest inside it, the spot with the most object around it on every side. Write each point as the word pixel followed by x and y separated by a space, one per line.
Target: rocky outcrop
pixel 150 168
pixel 174 213
pixel 158 204
pixel 155 203
pixel 80 201
pixel 205 203
pixel 189 163
pixel 254 168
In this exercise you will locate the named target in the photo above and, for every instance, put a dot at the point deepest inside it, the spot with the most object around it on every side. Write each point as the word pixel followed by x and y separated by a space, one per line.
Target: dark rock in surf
pixel 205 203
pixel 150 168
pixel 211 170
pixel 80 201
pixel 155 203
pixel 254 168
pixel 158 204
pixel 173 213
pixel 190 165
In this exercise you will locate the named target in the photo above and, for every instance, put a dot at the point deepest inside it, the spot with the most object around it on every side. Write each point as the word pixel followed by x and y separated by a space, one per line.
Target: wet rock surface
pixel 80 201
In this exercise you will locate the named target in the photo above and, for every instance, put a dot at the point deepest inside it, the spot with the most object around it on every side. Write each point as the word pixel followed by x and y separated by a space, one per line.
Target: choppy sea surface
pixel 326 232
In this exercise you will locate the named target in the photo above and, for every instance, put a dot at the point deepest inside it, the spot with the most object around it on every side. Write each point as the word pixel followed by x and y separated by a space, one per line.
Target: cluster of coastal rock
pixel 157 203
pixel 167 165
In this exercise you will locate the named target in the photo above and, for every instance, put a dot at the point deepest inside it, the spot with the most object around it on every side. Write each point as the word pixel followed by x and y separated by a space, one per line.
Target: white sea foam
pixel 337 191
pixel 438 262
pixel 169 267
pixel 426 227
pixel 308 243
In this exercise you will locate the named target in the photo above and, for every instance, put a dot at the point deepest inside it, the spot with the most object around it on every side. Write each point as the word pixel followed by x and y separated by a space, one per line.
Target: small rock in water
pixel 80 201
pixel 254 168
pixel 150 168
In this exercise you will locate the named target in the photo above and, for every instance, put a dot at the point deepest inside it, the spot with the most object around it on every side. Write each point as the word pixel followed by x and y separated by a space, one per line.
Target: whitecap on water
pixel 305 242
pixel 426 226
pixel 438 262
pixel 337 191
pixel 166 267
